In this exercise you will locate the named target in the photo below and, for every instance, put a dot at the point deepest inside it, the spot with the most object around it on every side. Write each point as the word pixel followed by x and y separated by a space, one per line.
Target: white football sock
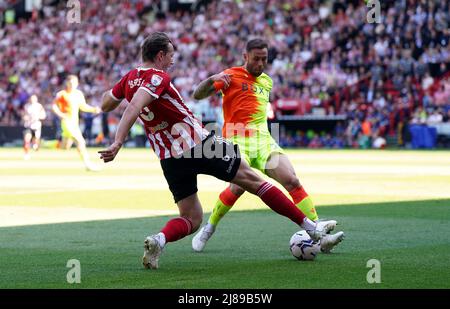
pixel 308 224
pixel 162 239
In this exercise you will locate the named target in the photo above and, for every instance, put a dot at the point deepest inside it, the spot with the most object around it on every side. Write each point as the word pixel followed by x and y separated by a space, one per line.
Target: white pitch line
pixel 31 215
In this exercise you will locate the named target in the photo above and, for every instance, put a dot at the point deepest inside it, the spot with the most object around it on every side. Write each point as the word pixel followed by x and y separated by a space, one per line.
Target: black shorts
pixel 215 156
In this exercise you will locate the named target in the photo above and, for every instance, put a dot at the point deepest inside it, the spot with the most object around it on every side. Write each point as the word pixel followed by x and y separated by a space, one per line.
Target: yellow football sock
pixel 304 203
pixel 307 207
pixel 223 205
pixel 218 212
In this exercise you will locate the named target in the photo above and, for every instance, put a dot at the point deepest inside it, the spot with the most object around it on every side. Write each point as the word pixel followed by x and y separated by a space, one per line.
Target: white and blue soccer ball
pixel 303 247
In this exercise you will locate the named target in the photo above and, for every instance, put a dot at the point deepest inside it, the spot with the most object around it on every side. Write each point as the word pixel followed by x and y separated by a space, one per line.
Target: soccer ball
pixel 303 247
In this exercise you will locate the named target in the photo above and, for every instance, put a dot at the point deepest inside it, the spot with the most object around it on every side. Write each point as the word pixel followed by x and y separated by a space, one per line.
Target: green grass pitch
pixel 394 206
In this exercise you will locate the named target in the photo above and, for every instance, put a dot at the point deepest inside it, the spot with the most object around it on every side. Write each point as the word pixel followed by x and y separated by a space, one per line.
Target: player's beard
pixel 256 73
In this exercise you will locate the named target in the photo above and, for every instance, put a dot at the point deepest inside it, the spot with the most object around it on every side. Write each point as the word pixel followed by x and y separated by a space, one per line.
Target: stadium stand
pixel 380 81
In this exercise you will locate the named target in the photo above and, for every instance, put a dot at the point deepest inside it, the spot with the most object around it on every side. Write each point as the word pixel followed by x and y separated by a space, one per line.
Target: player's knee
pixel 249 180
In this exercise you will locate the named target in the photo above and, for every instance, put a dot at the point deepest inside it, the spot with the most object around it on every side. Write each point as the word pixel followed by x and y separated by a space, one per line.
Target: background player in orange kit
pixel 66 106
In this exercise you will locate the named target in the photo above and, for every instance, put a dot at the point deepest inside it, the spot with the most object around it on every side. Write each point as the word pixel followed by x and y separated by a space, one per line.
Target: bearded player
pixel 246 92
pixel 183 145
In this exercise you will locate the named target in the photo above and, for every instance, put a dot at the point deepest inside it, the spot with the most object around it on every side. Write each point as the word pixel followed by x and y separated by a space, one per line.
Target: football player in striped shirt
pixel 184 147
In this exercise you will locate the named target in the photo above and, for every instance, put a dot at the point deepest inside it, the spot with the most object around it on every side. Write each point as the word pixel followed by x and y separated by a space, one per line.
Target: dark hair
pixel 256 44
pixel 153 44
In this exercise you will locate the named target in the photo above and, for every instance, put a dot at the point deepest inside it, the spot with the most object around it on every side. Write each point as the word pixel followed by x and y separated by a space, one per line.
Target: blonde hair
pixel 70 77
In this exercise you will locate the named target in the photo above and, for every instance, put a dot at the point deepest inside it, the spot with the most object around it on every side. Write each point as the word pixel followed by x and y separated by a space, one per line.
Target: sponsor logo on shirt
pixel 255 89
pixel 159 127
pixel 151 87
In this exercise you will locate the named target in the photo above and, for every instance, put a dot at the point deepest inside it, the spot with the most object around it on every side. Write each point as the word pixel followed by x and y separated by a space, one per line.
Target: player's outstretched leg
pixel 191 215
pixel 226 200
pixel 280 168
pixel 275 199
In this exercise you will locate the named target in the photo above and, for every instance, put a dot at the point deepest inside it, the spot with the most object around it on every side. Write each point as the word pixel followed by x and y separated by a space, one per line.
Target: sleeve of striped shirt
pixel 118 91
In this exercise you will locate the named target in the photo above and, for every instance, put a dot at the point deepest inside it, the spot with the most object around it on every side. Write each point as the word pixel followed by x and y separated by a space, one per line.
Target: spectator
pixel 318 55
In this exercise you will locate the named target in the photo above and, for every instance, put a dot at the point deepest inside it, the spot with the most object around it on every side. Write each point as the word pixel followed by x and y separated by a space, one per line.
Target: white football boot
pixel 328 242
pixel 326 225
pixel 320 229
pixel 202 236
pixel 152 251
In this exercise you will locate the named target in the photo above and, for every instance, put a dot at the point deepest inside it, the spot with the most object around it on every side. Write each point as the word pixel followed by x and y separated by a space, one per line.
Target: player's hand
pixel 98 110
pixel 224 78
pixel 110 153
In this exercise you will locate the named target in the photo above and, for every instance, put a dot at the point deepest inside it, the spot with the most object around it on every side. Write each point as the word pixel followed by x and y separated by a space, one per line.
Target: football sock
pixel 177 228
pixel 223 205
pixel 162 239
pixel 26 147
pixel 308 224
pixel 304 202
pixel 279 203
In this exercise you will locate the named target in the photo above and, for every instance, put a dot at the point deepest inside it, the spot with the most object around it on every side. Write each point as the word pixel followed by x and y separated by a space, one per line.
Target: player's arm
pixel 131 113
pixel 109 102
pixel 211 85
pixel 86 107
pixel 57 111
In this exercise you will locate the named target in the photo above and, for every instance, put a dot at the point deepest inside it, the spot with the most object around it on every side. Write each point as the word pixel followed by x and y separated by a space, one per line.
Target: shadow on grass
pixel 249 250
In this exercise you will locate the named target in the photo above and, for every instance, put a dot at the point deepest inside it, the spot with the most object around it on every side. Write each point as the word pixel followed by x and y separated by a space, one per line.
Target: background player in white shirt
pixel 33 114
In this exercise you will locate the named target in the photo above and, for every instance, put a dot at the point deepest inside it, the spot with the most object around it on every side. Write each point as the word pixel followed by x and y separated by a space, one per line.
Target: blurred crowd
pixel 325 59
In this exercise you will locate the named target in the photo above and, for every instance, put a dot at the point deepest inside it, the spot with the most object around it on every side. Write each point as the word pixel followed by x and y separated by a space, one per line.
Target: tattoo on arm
pixel 204 89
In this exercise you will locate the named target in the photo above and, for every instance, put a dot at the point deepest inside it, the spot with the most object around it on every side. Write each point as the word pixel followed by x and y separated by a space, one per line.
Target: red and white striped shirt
pixel 169 125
